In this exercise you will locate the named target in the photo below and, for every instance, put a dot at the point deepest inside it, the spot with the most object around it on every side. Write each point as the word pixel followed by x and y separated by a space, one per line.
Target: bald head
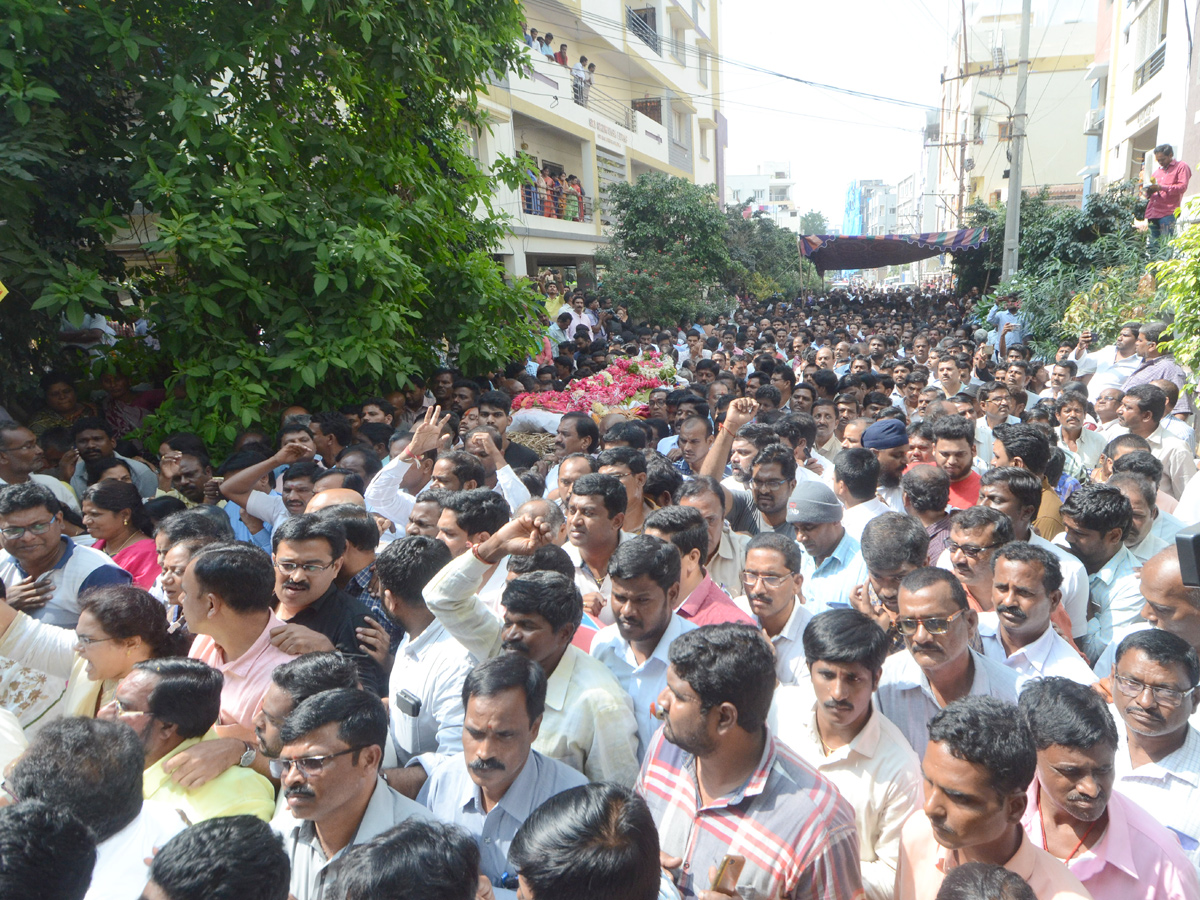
pixel 1170 605
pixel 334 497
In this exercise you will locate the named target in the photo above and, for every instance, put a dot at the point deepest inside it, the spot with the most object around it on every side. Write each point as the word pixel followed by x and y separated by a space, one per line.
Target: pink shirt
pixel 709 605
pixel 247 677
pixel 1174 181
pixel 140 560
pixel 1136 859
pixel 924 863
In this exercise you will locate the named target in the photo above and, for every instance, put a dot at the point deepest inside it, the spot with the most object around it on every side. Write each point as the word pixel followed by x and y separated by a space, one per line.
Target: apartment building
pixel 649 106
pixel 768 190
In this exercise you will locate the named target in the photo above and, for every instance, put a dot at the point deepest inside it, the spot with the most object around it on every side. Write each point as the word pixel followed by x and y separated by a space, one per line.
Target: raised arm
pixel 741 412
pixel 239 486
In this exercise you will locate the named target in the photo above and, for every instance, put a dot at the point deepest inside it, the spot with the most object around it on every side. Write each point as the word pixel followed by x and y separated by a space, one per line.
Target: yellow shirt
pixel 235 792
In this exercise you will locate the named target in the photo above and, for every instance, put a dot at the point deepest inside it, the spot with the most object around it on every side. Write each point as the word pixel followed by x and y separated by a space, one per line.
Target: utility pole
pixel 1012 221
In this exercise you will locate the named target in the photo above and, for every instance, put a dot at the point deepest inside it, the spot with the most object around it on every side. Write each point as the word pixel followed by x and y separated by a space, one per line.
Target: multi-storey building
pixel 768 190
pixel 649 106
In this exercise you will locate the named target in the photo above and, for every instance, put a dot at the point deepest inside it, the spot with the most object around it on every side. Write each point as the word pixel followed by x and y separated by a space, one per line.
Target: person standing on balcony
pixel 561 56
pixel 552 196
pixel 587 83
pixel 1164 195
pixel 579 80
pixel 548 46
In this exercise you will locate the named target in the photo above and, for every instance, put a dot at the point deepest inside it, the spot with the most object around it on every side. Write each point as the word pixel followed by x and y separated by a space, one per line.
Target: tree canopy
pixel 316 223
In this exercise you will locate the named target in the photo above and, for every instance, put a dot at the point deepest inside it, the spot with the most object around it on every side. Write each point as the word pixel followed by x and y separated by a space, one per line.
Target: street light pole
pixel 1012 221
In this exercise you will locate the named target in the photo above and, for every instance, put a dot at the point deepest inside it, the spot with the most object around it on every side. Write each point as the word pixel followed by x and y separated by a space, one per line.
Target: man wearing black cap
pixel 888 440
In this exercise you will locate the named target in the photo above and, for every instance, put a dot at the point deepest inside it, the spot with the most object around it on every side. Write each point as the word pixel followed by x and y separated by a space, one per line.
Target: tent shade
pixel 833 252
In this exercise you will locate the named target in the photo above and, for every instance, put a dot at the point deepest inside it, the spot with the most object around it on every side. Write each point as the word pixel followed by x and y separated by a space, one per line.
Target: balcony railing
pixel 643 29
pixel 557 203
pixel 1151 67
pixel 594 99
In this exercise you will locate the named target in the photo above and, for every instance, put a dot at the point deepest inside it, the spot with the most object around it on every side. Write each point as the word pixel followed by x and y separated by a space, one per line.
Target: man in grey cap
pixel 888 440
pixel 831 563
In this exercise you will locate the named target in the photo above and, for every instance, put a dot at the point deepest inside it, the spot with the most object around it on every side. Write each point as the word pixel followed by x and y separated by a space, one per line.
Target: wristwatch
pixel 247 759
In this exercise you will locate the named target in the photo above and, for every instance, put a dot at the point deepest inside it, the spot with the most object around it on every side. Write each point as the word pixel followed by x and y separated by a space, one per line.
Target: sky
pixel 897 49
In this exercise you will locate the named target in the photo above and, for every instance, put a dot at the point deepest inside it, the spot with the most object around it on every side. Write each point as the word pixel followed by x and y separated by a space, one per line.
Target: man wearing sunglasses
pixel 329 772
pixel 975 535
pixel 43 571
pixel 938 665
pixel 1158 763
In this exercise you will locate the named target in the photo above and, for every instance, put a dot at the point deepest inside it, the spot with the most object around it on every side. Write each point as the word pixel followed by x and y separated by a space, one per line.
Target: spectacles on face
pixel 14 532
pixel 84 641
pixel 29 445
pixel 308 766
pixel 125 712
pixel 931 624
pixel 287 568
pixel 749 579
pixel 970 550
pixel 768 484
pixel 1163 696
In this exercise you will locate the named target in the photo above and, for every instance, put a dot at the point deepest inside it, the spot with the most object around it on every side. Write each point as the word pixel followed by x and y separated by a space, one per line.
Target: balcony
pixel 1093 121
pixel 1151 67
pixel 556 203
pixel 642 22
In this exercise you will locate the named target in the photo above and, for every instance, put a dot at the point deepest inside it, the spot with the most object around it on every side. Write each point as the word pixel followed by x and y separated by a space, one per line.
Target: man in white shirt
pixel 833 723
pixel 1026 589
pixel 645 583
pixel 1142 410
pixel 855 479
pixel 1109 366
pixel 22 460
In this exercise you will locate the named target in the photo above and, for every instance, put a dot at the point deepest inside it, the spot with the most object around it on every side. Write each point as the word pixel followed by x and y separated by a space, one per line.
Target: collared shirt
pixel 939 535
pixel 143 479
pixel 60 489
pixel 1173 181
pixel 433 667
pixel 855 519
pixel 924 863
pixel 1115 600
pixel 1168 789
pixel 789 822
pixel 1049 655
pixel 877 773
pixel 77 571
pixel 453 797
pixel 1090 445
pixel 1179 465
pixel 359 588
pixel 1111 372
pixel 725 567
pixel 1147 547
pixel 247 677
pixel 314 876
pixel 829 584
pixel 1136 859
pixel 235 792
pixel 641 681
pixel 121 871
pixel 1074 585
pixel 905 697
pixel 585 578
pixel 336 616
pixel 588 723
pixel 709 605
pixel 1049 522
pixel 1158 369
pixel 999 317
pixel 790 664
pixel 1177 428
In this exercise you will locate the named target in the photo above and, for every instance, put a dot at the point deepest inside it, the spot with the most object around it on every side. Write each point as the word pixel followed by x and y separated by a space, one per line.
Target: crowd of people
pixel 873 601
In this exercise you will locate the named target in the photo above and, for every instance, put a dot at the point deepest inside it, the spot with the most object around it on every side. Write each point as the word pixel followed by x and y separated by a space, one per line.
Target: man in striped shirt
pixel 717 782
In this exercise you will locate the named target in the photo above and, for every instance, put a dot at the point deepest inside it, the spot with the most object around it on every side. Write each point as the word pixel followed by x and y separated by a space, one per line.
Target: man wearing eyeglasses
pixel 1158 759
pixel 44 572
pixel 772 584
pixel 975 534
pixel 938 665
pixel 329 771
pixel 22 461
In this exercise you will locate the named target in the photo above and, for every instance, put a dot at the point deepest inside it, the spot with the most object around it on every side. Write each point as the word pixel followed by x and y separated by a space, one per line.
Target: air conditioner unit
pixel 1093 121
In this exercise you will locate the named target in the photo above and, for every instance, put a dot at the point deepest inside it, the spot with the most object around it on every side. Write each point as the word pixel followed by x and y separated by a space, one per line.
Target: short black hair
pixel 984 881
pixel 954 428
pixel 591 842
pixel 27 496
pixel 195 523
pixel 929 576
pixel 226 858
pixel 845 636
pixel 91 423
pixel 335 425
pixel 607 487
pixel 796 427
pixel 45 853
pixel 1140 462
pixel 633 459
pixel 786 547
pixel 1023 551
pixel 362 720
pixel 728 663
pixel 1162 647
pixel 551 595
pixel 311 527
pixel 313 673
pixel 981 517
pixel 585 428
pixel 465 466
pixel 372 464
pixel 990 733
pixel 416 860
pixel 926 488
pixel 1065 712
pixel 1149 399
pixel 684 527
pixel 360 527
pixel 407 565
pixel 1125 441
pixel 504 672
pixel 893 539
pixel 700 485
pixel 91 768
pixel 240 574
pixel 779 454
pixel 1100 508
pixel 630 433
pixel 496 400
pixel 479 510
pixel 187 694
pixel 1027 443
pixel 858 469
pixel 644 555
pixel 759 434
pixel 1023 484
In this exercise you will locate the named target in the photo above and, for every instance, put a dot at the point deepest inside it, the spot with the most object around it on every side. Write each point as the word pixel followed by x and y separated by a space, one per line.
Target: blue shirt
pixel 452 796
pixel 79 570
pixel 829 585
pixel 999 317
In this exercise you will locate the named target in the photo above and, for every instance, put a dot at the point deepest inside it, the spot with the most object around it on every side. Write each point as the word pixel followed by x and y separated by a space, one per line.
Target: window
pixel 779 195
pixel 681 125
pixel 703 68
pixel 760 195
pixel 703 143
pixel 678 46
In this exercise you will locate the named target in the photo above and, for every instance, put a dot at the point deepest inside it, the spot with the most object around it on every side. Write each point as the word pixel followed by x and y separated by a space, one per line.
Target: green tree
pixel 814 222
pixel 668 257
pixel 768 255
pixel 318 226
pixel 1179 280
